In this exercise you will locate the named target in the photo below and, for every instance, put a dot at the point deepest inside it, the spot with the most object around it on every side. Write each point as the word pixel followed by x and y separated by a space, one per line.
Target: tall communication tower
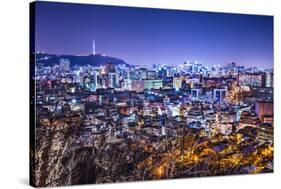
pixel 94 47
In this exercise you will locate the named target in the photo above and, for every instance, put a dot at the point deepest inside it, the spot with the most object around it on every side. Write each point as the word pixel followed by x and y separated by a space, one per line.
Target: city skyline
pixel 133 94
pixel 155 36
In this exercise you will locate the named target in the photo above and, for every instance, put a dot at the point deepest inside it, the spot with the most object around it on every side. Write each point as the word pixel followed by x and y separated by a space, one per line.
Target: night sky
pixel 155 36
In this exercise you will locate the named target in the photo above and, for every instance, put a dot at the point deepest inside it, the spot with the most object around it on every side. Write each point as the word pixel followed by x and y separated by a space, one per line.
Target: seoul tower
pixel 94 47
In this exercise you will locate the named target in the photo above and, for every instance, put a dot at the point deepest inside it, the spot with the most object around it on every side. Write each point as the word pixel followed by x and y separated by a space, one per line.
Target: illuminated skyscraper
pixel 97 79
pixel 177 83
pixel 112 79
pixel 269 79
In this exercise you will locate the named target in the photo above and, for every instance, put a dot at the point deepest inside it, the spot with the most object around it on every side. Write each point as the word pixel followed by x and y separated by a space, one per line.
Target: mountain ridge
pixel 46 59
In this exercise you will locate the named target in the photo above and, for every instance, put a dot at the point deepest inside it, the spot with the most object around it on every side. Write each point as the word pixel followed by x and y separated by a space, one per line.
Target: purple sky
pixel 155 36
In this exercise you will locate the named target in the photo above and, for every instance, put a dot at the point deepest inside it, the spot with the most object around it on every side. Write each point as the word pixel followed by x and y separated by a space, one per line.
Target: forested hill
pixel 93 60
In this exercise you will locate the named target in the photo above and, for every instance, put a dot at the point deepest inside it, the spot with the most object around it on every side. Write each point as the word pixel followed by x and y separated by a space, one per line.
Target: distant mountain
pixel 93 60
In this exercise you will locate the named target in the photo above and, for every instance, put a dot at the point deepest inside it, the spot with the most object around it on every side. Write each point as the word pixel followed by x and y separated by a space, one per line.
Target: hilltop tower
pixel 94 47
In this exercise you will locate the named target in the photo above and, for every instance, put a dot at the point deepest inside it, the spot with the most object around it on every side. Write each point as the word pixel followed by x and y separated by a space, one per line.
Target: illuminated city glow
pixel 100 119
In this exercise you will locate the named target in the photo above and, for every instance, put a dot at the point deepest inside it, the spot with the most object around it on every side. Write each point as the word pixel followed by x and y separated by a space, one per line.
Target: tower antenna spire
pixel 94 47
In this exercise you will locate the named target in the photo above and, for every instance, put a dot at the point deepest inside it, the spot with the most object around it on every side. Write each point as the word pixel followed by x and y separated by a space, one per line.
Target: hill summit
pixel 78 60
